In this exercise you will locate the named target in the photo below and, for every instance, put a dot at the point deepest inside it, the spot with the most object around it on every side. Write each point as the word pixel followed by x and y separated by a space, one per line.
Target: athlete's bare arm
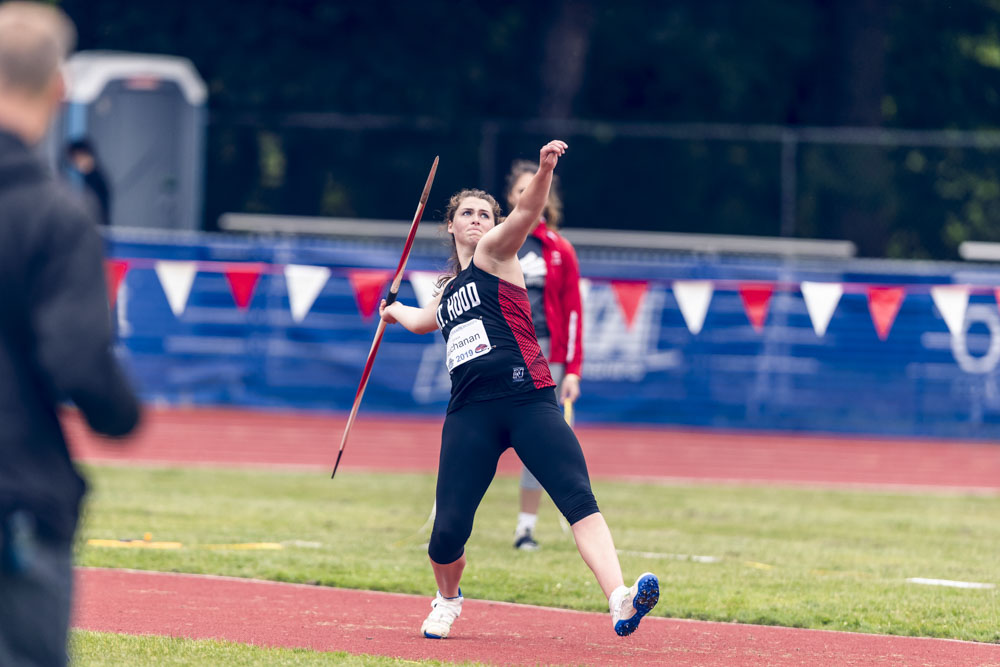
pixel 497 251
pixel 418 320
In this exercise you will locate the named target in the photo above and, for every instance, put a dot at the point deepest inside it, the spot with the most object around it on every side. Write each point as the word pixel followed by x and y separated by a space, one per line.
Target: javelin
pixel 393 290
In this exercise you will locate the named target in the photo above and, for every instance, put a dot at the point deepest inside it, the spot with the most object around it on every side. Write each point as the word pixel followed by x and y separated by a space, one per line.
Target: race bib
pixel 466 342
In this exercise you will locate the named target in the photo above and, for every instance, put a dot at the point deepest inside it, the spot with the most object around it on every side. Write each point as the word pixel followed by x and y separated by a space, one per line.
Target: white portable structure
pixel 145 116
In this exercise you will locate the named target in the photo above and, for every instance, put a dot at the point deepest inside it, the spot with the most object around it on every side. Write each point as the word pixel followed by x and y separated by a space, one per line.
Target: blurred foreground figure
pixel 55 343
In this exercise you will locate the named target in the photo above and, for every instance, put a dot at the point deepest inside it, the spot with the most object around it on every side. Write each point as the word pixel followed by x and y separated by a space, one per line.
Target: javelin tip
pixel 337 464
pixel 427 187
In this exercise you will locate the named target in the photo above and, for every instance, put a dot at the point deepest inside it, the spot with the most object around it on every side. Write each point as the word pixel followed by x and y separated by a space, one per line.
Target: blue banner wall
pixel 641 366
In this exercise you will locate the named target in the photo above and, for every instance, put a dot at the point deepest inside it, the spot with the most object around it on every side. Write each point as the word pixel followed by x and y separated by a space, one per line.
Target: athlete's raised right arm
pixel 503 241
pixel 418 320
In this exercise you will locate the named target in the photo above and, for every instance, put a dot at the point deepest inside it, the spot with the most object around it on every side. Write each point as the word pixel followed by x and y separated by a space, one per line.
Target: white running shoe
pixel 629 605
pixel 444 611
pixel 525 541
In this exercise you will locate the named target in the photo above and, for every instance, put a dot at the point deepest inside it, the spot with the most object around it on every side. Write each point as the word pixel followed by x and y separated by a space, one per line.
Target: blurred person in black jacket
pixel 55 344
pixel 82 157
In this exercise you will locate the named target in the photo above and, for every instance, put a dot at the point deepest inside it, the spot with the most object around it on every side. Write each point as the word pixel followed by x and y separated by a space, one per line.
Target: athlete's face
pixel 473 218
pixel 520 184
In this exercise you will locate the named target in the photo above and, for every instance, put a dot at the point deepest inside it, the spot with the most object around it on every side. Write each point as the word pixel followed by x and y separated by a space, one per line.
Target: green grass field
pixel 99 649
pixel 784 556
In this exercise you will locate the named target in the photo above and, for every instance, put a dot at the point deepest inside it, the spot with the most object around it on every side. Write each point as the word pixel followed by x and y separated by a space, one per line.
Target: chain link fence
pixel 894 193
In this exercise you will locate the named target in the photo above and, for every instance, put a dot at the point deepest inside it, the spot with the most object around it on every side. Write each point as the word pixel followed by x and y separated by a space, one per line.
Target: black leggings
pixel 472 440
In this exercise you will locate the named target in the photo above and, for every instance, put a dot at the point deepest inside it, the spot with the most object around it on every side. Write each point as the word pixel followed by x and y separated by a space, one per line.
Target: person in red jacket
pixel 552 276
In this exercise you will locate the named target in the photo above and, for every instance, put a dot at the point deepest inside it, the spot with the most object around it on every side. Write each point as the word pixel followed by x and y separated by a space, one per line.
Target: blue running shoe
pixel 629 605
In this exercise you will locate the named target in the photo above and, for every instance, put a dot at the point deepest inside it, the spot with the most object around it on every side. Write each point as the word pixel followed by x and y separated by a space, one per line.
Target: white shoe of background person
pixel 525 541
pixel 444 611
pixel 629 605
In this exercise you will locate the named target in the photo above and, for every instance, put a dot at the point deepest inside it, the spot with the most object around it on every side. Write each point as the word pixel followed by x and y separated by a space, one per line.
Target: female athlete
pixel 502 396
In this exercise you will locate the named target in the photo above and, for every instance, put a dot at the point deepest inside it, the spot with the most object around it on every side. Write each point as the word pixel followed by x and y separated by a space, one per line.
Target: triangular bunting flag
pixel 304 284
pixel 114 272
pixel 242 281
pixel 629 298
pixel 883 304
pixel 693 297
pixel 424 285
pixel 368 285
pixel 176 279
pixel 952 301
pixel 756 299
pixel 821 300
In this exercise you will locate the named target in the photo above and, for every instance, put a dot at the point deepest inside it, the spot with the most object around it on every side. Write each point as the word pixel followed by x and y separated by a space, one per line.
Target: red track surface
pixel 329 619
pixel 326 619
pixel 236 437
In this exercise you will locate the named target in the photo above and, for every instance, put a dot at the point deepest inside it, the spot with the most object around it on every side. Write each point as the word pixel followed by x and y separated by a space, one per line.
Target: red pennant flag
pixel 242 281
pixel 883 304
pixel 368 286
pixel 629 297
pixel 114 272
pixel 756 300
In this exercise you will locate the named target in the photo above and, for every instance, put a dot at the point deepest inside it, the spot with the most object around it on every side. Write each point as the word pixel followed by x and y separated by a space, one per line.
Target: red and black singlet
pixel 491 348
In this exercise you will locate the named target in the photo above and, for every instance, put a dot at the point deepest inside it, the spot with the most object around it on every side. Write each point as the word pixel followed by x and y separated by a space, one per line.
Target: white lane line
pixel 949 583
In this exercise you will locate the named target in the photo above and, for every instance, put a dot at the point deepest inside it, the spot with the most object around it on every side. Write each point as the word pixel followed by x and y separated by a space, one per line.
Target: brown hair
pixel 553 206
pixel 34 40
pixel 453 266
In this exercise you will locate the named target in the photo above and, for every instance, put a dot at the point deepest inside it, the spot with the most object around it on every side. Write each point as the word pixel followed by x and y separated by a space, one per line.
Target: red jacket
pixel 563 308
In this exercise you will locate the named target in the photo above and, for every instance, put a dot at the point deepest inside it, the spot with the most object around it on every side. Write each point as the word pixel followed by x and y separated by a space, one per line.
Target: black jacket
pixel 55 340
pixel 98 186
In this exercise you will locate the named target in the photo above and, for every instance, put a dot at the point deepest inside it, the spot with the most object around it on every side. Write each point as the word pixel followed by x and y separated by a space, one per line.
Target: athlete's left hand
pixel 548 157
pixel 570 389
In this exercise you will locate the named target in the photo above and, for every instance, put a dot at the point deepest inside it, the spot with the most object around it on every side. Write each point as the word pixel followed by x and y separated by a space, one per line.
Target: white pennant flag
pixel 952 301
pixel 821 300
pixel 693 297
pixel 424 285
pixel 176 279
pixel 304 283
